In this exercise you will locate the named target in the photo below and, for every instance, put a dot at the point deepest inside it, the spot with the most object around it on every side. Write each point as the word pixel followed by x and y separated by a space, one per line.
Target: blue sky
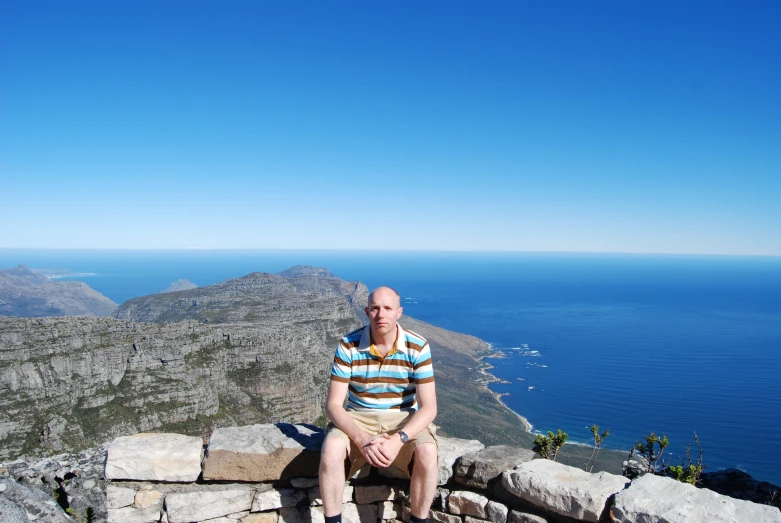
pixel 530 126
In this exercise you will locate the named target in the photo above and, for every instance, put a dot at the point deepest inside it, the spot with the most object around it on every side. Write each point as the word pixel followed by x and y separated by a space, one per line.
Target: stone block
pixel 230 518
pixel 132 514
pixel 154 457
pixel 496 512
pixel 261 517
pixel 522 517
pixel 450 449
pixel 301 515
pixel 389 510
pixel 315 499
pixel 373 493
pixel 304 482
pixel 467 503
pixel 263 453
pixel 470 519
pixel 274 499
pixel 478 469
pixel 563 490
pixel 443 517
pixel 655 498
pixel 184 507
pixel 118 497
pixel 352 513
pixel 148 498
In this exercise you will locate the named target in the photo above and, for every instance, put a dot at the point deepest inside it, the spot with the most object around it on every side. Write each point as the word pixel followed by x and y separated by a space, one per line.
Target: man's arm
pixel 334 409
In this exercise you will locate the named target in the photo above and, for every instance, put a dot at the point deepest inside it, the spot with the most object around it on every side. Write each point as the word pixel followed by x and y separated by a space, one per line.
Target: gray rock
pixel 467 503
pixel 484 467
pixel 33 504
pixel 563 490
pixel 133 514
pixel 389 510
pixel 262 517
pixel 301 515
pixel 315 499
pixel 522 517
pixel 10 512
pixel 274 499
pixel 118 497
pixel 263 452
pixel 352 513
pixel 304 482
pixel 450 449
pixel 184 507
pixel 155 457
pixel 372 493
pixel 443 517
pixel 654 498
pixel 496 512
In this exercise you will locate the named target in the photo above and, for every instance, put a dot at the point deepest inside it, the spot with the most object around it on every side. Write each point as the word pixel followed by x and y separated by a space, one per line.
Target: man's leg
pixel 332 457
pixel 423 483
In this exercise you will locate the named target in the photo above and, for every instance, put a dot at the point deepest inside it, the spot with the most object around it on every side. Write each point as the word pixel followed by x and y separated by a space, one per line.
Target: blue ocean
pixel 633 343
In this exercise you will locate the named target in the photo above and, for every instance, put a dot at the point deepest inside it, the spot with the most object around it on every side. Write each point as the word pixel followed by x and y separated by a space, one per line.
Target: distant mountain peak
pixel 180 285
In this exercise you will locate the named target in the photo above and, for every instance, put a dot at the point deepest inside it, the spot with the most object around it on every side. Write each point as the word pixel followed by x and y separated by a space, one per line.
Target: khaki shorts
pixel 378 422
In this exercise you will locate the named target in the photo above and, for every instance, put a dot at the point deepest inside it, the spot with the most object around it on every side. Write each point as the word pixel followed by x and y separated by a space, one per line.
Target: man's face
pixel 383 311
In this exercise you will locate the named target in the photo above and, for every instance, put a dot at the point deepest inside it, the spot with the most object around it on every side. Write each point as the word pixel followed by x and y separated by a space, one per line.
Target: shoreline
pixel 484 368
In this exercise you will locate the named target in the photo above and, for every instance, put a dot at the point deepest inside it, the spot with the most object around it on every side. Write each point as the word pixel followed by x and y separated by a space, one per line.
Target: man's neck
pixel 388 340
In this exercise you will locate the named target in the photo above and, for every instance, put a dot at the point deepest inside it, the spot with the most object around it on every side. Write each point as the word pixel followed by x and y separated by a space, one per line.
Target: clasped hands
pixel 380 450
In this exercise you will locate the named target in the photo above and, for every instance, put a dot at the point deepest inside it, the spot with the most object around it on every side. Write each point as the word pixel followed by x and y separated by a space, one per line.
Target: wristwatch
pixel 403 436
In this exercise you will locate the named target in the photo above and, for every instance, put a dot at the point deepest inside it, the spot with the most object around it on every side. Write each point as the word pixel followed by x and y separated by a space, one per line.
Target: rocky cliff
pixel 255 349
pixel 28 294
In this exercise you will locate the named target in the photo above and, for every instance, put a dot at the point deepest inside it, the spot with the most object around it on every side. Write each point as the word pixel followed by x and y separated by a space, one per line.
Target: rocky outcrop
pixel 654 498
pixel 263 452
pixel 25 293
pixel 563 490
pixel 484 467
pixel 539 491
pixel 69 383
pixel 155 457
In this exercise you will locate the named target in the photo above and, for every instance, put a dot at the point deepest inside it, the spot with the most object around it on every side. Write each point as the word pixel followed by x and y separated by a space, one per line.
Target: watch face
pixel 404 437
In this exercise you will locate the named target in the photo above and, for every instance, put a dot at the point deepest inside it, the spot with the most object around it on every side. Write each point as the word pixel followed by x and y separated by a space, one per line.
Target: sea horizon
pixel 669 343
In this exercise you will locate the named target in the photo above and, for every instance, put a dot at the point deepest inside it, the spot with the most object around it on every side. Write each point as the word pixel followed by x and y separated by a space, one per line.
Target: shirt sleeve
pixel 341 370
pixel 422 371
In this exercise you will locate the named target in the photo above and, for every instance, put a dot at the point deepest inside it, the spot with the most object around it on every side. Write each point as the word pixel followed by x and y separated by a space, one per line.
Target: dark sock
pixel 414 519
pixel 334 519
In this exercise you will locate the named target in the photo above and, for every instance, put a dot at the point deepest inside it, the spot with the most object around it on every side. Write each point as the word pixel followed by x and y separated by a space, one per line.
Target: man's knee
pixel 334 452
pixel 426 456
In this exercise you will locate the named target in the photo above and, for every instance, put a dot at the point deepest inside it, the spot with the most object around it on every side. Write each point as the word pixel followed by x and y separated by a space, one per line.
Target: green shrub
pixel 548 446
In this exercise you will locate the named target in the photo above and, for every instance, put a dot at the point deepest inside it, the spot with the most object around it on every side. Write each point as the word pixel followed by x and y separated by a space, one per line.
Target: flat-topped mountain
pixel 256 349
pixel 26 293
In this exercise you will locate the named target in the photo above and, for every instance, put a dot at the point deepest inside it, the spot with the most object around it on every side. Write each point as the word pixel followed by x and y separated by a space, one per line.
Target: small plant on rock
pixel 652 450
pixel 548 446
pixel 598 438
pixel 689 473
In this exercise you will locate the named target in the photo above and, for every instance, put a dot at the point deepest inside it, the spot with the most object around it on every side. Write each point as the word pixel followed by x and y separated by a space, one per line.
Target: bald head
pixel 384 292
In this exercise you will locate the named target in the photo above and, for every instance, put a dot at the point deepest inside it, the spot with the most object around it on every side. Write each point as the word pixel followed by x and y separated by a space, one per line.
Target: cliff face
pixel 252 350
pixel 28 294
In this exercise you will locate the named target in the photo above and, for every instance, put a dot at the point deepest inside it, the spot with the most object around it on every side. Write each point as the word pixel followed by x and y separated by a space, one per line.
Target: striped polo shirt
pixel 378 384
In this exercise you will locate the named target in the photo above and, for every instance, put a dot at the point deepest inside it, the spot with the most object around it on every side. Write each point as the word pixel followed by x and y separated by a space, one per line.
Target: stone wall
pixel 268 474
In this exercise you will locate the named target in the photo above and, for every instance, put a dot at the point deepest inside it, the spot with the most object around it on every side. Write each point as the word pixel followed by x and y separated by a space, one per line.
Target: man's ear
pixel 366 311
pixel 401 309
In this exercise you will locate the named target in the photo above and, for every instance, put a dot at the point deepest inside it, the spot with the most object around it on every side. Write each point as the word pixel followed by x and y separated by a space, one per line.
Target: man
pixel 386 375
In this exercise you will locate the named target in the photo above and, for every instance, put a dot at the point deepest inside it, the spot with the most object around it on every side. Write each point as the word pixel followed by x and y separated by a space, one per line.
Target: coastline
pixel 488 378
